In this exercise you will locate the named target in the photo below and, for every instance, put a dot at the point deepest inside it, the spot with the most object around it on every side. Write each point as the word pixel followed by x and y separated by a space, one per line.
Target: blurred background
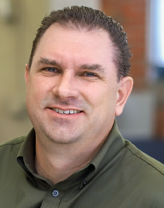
pixel 143 20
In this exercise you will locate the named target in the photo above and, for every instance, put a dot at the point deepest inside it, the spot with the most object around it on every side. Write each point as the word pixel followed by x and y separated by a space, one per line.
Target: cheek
pixel 36 91
pixel 100 97
pixel 106 101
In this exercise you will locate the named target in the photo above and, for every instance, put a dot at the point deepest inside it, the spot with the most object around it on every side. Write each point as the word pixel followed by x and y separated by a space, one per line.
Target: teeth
pixel 66 111
pixel 61 111
pixel 57 110
pixel 71 111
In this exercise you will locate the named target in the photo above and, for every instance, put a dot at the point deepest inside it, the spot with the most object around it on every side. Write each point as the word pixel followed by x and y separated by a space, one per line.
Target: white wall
pixel 60 4
pixel 137 119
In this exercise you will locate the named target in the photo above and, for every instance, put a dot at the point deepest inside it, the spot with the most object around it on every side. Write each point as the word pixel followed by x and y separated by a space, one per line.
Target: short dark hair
pixel 84 17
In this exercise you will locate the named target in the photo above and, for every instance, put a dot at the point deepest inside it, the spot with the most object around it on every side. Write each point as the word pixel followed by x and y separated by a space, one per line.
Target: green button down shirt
pixel 120 176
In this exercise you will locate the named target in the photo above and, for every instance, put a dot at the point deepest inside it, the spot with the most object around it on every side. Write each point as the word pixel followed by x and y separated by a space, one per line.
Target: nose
pixel 66 86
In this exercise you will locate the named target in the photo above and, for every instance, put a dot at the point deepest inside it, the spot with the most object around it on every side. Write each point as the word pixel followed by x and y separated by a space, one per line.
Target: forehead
pixel 75 45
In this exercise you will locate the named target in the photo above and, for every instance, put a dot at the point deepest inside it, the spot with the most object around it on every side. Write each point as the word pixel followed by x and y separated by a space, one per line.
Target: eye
pixel 89 74
pixel 51 69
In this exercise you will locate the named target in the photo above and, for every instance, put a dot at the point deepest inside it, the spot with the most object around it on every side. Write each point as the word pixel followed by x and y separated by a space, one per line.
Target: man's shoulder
pixel 16 141
pixel 147 162
pixel 12 145
pixel 143 178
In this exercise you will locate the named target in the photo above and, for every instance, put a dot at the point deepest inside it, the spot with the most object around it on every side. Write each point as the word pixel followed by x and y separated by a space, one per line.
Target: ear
pixel 124 90
pixel 27 74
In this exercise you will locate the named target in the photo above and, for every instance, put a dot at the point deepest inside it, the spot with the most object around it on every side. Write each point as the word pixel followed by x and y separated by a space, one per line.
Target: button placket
pixel 52 198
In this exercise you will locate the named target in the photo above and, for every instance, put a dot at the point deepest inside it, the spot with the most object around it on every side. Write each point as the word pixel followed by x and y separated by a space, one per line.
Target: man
pixel 77 82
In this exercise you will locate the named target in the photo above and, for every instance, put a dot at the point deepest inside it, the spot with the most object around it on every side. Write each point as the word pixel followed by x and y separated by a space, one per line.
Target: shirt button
pixel 55 193
pixel 84 183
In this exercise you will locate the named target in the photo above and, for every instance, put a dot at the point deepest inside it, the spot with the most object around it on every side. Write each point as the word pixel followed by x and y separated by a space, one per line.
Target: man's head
pixel 73 90
pixel 90 19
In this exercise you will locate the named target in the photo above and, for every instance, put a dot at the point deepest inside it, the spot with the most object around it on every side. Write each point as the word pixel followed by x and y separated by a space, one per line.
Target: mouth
pixel 67 112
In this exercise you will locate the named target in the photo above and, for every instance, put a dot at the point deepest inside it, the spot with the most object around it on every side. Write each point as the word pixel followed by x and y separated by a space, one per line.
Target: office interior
pixel 143 20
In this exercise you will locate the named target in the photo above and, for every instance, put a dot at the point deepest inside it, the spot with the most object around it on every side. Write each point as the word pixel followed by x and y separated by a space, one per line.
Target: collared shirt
pixel 119 176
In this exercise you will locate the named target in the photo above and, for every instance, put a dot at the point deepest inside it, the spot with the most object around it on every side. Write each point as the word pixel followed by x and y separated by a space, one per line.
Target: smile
pixel 65 111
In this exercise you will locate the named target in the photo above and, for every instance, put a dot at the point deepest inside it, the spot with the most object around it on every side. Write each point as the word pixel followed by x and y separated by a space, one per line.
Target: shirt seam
pixel 12 143
pixel 148 163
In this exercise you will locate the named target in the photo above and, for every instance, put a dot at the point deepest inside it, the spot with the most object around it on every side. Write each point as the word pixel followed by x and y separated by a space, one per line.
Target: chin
pixel 62 137
pixel 63 140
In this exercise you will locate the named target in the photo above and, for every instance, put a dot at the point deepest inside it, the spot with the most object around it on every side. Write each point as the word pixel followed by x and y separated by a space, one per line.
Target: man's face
pixel 72 87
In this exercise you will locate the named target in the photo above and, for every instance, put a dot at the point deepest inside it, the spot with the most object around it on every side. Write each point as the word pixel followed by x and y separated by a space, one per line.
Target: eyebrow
pixel 48 61
pixel 97 67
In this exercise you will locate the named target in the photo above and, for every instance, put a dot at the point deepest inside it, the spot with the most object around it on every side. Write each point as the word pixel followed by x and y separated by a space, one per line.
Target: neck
pixel 59 161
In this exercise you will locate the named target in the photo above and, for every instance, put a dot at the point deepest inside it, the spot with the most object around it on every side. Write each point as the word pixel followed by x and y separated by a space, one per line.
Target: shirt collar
pixel 26 159
pixel 27 151
pixel 104 158
pixel 111 147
